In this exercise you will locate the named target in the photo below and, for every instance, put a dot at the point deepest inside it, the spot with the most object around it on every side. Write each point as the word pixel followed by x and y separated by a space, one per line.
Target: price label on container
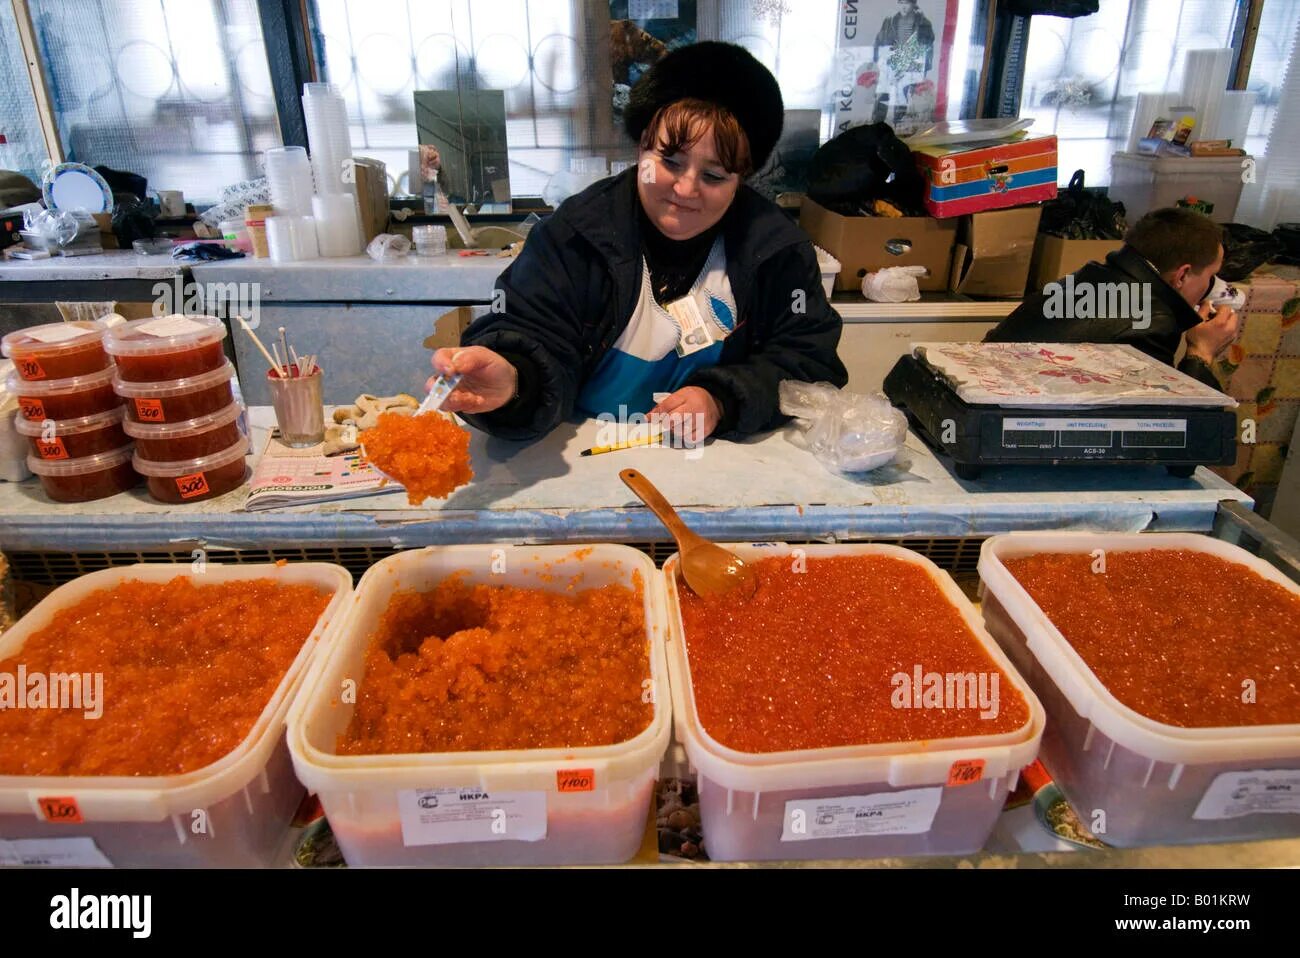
pixel 33 410
pixel 52 448
pixel 31 369
pixel 195 484
pixel 52 853
pixel 448 816
pixel 908 812
pixel 1234 794
pixel 60 809
pixel 149 410
pixel 576 780
pixel 966 771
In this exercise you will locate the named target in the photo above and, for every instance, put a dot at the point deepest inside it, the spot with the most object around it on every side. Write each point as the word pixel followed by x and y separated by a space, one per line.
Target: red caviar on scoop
pixel 810 661
pixel 428 454
pixel 1174 633
pixel 187 669
pixel 476 667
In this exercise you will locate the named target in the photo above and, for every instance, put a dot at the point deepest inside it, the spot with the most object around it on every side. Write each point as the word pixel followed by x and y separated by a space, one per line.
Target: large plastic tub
pixel 1134 780
pixel 581 806
pixel 233 813
pixel 749 801
pixel 1146 183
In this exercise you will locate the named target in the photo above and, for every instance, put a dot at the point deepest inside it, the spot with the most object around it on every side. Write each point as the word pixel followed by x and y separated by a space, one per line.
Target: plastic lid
pixel 181 430
pixel 53 338
pixel 184 467
pixel 83 465
pixel 163 334
pixel 175 387
pixel 70 427
pixel 38 388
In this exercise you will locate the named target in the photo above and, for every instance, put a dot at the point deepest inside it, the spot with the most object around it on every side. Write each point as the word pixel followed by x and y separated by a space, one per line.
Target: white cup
pixel 171 204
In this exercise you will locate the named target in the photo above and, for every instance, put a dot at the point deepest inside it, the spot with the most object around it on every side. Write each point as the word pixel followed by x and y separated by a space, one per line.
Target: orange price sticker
pixel 576 780
pixel 61 809
pixel 52 448
pixel 31 369
pixel 149 410
pixel 195 484
pixel 966 771
pixel 33 410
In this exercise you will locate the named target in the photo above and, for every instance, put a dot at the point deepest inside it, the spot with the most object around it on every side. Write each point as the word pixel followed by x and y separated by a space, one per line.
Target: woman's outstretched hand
pixel 488 381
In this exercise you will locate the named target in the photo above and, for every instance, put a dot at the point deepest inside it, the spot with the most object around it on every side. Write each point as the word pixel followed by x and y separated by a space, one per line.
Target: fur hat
pixel 720 73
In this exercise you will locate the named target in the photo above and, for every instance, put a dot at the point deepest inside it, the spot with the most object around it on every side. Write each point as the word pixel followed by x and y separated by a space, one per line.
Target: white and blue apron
pixel 644 359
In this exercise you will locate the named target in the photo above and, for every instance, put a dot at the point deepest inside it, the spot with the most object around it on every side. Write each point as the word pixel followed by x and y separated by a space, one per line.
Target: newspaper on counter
pixel 296 477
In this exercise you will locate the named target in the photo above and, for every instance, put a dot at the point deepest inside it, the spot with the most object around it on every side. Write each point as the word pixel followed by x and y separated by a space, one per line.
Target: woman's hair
pixel 681 123
pixel 1172 237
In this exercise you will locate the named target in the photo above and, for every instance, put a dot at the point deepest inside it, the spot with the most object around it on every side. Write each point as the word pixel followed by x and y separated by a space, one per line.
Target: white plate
pixel 73 186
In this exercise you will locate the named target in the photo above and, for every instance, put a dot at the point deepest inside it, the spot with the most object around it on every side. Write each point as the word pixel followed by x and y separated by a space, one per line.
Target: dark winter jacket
pixel 572 290
pixel 1171 315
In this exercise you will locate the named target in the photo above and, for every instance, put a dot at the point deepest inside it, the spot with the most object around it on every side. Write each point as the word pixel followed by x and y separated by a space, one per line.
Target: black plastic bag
pixel 1082 214
pixel 1288 234
pixel 863 164
pixel 1246 249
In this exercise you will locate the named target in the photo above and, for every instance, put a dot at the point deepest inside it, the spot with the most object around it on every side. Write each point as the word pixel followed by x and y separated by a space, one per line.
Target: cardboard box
pixel 993 252
pixel 961 180
pixel 1055 257
pixel 864 244
pixel 450 325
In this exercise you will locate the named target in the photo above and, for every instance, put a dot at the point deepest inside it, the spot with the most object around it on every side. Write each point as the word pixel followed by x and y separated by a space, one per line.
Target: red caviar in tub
pixel 812 660
pixel 1173 633
pixel 475 667
pixel 187 670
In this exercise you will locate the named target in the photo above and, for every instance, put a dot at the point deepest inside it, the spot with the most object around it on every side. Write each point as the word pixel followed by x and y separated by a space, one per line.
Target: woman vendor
pixel 672 277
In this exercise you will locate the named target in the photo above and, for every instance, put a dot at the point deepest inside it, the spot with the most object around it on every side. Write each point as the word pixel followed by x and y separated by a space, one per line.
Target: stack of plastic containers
pixel 180 406
pixel 68 411
pixel 338 223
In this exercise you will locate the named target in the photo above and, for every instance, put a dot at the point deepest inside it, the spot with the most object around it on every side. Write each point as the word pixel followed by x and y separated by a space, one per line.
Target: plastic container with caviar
pixel 1170 674
pixel 193 480
pixel 69 398
pixel 87 477
pixel 232 812
pixel 202 436
pixel 562 805
pixel 854 708
pixel 166 347
pixel 178 400
pixel 74 438
pixel 57 350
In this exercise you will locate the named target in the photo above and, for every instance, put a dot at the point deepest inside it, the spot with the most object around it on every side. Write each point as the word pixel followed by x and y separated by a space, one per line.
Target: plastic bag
pixel 1246 249
pixel 388 247
pixel 1083 214
pixel 847 432
pixel 863 164
pixel 893 284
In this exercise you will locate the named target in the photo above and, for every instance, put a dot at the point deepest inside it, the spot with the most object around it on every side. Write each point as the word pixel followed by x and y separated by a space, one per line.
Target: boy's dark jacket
pixel 1171 316
pixel 571 292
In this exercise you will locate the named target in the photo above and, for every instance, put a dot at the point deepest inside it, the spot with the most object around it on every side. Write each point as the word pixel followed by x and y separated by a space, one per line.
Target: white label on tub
pixel 445 816
pixel 176 325
pixel 53 853
pixel 57 334
pixel 909 812
pixel 1234 794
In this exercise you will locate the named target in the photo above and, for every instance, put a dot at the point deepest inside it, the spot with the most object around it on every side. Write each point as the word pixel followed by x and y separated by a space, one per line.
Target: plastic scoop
pixel 708 569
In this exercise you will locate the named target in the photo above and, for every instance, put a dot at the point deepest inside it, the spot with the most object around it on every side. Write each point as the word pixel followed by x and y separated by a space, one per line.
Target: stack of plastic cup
pixel 331 143
pixel 288 174
pixel 338 225
pixel 291 238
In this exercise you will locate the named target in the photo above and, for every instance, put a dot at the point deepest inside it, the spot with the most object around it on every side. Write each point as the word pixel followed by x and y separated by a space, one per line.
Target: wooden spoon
pixel 708 569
